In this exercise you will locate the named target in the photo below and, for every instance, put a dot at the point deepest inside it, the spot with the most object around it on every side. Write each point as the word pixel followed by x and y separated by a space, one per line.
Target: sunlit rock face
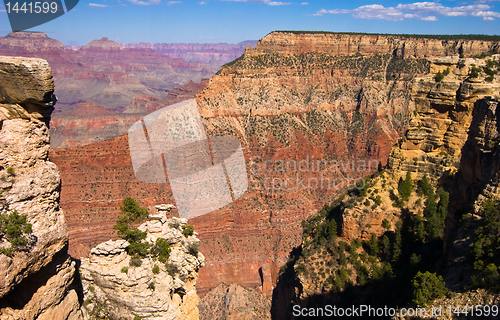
pixel 37 282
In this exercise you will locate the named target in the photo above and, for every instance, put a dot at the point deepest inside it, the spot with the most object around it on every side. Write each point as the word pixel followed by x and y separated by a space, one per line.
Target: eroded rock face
pixel 307 98
pixel 437 142
pixel 37 282
pixel 117 293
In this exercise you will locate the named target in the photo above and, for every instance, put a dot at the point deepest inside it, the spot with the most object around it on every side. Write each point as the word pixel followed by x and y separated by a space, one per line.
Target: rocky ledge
pixel 115 289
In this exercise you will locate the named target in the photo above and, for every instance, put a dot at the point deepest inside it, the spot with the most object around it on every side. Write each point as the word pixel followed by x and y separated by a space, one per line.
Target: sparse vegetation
pixel 156 269
pixel 427 287
pixel 16 230
pixel 161 250
pixel 187 230
pixel 439 76
pixel 135 262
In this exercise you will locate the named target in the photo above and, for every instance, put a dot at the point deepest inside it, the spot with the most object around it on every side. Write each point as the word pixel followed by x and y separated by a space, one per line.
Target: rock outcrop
pixel 38 280
pixel 433 145
pixel 116 289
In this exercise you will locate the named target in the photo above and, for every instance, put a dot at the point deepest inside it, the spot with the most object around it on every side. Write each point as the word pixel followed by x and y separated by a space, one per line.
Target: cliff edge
pixel 37 274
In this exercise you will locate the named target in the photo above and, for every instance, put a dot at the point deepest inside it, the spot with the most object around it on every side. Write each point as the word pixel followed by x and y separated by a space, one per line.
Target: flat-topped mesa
pixel 30 41
pixel 366 44
pixel 103 44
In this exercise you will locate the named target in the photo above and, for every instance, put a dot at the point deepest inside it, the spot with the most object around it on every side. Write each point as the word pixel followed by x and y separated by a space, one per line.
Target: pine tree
pixel 419 227
pixel 424 187
pixel 405 187
pixel 427 287
pixel 386 248
pixel 396 251
pixel 373 245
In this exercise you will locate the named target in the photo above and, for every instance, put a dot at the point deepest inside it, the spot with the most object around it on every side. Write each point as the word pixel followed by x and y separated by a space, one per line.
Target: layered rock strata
pixel 433 145
pixel 299 97
pixel 115 289
pixel 38 280
pixel 452 138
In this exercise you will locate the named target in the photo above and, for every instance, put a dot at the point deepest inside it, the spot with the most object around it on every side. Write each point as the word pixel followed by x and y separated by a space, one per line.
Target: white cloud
pixel 304 3
pixel 278 3
pixel 97 5
pixel 145 3
pixel 268 2
pixel 429 18
pixel 488 18
pixel 203 2
pixel 425 11
pixel 172 2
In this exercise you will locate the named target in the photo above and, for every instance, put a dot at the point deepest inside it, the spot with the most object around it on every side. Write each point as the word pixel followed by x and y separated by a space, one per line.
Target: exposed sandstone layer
pixel 115 293
pixel 234 303
pixel 366 44
pixel 37 282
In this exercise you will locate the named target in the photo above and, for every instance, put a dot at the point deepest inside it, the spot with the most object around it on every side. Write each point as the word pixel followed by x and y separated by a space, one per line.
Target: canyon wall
pixel 452 139
pixel 333 98
pixel 38 278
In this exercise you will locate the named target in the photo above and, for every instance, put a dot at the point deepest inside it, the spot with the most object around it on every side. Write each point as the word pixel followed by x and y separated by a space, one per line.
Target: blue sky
pixel 231 21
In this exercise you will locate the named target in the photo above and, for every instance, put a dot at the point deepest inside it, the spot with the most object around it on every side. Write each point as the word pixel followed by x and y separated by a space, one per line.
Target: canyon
pixel 103 72
pixel 295 96
pixel 315 114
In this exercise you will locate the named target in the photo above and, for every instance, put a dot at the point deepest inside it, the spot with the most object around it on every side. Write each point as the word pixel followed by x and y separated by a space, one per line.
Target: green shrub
pixel 386 224
pixel 135 262
pixel 132 211
pixel 161 250
pixel 194 248
pixel 15 229
pixel 11 171
pixel 125 269
pixel 427 287
pixel 151 286
pixel 137 318
pixel 439 77
pixel 187 230
pixel 474 72
pixel 156 269
pixel 172 269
